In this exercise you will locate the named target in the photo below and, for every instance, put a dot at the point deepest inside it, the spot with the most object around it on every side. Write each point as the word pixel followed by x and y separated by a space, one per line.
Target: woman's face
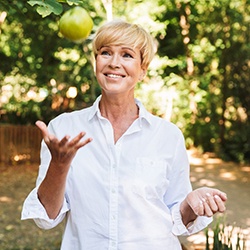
pixel 118 69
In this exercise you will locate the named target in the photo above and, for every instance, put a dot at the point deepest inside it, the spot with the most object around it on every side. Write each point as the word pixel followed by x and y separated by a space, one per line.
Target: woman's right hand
pixel 52 189
pixel 62 151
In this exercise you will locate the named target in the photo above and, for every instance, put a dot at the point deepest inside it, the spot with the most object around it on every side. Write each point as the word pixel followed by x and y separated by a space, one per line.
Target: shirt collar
pixel 143 113
pixel 95 108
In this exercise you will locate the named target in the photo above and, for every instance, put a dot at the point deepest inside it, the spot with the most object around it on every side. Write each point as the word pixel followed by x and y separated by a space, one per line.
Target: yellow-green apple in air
pixel 76 24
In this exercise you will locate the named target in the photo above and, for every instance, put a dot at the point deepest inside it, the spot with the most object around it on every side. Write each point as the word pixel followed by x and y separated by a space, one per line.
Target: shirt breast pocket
pixel 150 179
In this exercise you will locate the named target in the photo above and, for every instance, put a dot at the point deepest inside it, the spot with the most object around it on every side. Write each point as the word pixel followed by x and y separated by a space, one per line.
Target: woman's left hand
pixel 206 201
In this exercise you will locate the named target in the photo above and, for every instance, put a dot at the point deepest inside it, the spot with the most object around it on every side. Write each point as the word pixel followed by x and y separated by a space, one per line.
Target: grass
pixel 15 183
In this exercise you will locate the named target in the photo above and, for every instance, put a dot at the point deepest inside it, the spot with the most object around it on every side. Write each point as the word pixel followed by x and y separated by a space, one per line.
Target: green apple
pixel 76 24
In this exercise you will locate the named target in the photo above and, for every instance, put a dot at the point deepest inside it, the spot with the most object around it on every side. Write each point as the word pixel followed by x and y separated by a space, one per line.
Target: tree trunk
pixel 108 7
pixel 185 11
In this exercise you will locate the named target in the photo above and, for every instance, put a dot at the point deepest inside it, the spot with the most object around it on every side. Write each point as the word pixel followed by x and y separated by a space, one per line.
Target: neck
pixel 121 112
pixel 117 108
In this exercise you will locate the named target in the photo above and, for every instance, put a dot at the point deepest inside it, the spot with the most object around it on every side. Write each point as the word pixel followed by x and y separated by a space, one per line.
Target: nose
pixel 115 61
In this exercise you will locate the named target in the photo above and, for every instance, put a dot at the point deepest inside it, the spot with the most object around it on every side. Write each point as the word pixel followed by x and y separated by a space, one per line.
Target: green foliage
pixel 214 96
pixel 38 66
pixel 46 7
pixel 199 78
pixel 222 237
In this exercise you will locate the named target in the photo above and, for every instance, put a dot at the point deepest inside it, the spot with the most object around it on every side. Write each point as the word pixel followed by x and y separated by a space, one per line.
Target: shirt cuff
pixel 33 209
pixel 197 225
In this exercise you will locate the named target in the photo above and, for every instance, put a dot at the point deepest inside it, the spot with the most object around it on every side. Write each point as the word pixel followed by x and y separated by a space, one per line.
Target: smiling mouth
pixel 114 76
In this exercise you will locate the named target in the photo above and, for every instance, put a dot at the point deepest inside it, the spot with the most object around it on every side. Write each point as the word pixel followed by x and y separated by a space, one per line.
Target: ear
pixel 143 73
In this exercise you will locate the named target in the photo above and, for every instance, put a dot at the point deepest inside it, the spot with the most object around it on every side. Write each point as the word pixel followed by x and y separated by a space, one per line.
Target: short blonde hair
pixel 122 33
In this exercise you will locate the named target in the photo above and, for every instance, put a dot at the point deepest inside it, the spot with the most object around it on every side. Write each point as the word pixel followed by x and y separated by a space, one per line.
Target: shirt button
pixel 114 166
pixel 113 190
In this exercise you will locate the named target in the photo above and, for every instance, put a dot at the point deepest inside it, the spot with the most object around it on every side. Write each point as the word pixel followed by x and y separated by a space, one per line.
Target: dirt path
pixel 17 181
pixel 233 179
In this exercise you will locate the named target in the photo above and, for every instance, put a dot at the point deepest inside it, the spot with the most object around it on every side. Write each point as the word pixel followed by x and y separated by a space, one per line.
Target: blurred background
pixel 199 78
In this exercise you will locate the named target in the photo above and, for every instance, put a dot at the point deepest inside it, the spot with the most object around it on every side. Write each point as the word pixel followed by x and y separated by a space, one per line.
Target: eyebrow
pixel 123 47
pixel 128 48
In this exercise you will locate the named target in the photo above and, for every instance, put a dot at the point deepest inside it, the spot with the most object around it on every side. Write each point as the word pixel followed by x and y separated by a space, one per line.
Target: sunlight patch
pixel 5 199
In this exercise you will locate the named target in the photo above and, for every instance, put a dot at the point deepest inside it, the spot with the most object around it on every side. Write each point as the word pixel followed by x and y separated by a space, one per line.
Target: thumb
pixel 43 127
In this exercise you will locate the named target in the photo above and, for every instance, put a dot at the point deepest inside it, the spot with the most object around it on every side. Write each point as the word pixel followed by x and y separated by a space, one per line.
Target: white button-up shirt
pixel 123 195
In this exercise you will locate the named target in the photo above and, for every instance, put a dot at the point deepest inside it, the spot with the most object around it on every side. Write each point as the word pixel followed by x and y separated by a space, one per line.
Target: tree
pixel 38 67
pixel 199 78
pixel 201 42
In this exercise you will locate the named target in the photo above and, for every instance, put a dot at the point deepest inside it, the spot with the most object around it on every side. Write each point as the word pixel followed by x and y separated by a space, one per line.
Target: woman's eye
pixel 105 53
pixel 127 55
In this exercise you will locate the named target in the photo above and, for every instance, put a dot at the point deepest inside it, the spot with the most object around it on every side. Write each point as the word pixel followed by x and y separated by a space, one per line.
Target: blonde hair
pixel 122 33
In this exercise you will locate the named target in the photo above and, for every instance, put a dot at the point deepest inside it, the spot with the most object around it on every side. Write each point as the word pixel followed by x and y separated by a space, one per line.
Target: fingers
pixel 220 204
pixel 64 140
pixel 211 205
pixel 77 142
pixel 223 196
pixel 200 210
pixel 207 201
pixel 48 138
pixel 42 126
pixel 214 191
pixel 204 209
pixel 211 201
pixel 83 143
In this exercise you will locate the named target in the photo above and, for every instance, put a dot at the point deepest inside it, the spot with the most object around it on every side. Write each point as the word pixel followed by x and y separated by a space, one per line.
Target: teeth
pixel 114 76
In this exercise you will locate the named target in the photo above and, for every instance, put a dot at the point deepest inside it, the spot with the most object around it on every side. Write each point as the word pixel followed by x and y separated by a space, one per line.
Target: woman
pixel 127 185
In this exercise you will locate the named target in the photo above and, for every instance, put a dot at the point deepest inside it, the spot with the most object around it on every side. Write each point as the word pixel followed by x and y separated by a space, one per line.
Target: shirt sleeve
pixel 197 225
pixel 33 209
pixel 179 187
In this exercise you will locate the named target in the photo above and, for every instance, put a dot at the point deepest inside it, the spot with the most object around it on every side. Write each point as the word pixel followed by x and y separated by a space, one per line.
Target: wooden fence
pixel 19 144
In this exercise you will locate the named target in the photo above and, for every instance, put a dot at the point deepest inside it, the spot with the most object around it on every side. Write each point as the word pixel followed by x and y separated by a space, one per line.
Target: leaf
pixel 47 7
pixel 32 3
pixel 55 6
pixel 70 2
pixel 43 11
